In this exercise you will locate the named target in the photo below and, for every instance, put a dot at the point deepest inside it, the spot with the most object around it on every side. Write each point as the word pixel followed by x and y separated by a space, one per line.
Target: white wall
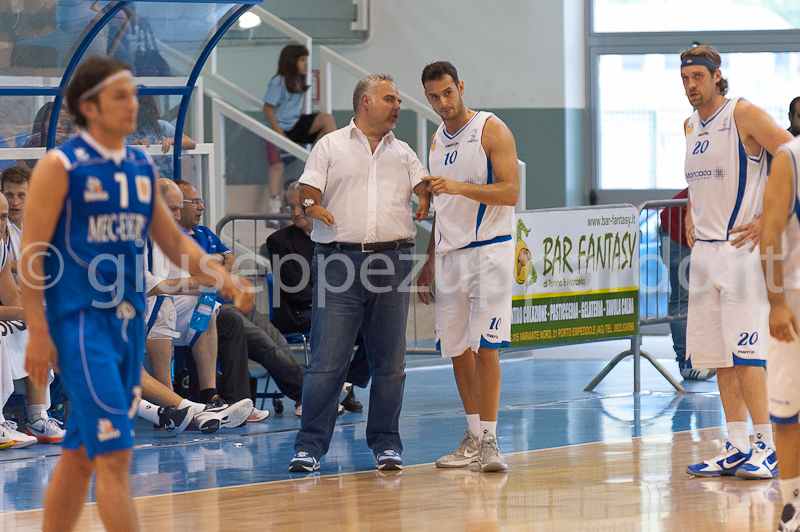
pixel 510 53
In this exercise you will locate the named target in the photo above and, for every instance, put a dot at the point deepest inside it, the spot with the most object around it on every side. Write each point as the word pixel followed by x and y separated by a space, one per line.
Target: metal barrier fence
pixel 657 253
pixel 246 233
pixel 658 272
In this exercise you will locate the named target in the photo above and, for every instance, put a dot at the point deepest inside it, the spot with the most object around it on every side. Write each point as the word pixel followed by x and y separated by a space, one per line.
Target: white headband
pixel 105 83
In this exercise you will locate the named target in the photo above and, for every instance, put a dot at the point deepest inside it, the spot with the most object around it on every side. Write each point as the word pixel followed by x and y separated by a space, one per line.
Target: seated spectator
pixel 292 310
pixel 151 129
pixel 283 113
pixel 265 344
pixel 14 183
pixel 65 129
pixel 40 427
pixel 172 297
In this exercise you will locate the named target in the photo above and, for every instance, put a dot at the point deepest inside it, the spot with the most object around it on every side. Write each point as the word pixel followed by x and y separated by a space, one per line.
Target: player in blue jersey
pixel 92 203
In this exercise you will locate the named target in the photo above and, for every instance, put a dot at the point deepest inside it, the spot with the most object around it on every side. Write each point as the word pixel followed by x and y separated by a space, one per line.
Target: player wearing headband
pixel 92 205
pixel 729 145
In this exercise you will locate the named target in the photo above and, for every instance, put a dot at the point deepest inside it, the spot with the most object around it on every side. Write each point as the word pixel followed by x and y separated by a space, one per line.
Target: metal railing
pixel 246 241
pixel 328 58
pixel 654 288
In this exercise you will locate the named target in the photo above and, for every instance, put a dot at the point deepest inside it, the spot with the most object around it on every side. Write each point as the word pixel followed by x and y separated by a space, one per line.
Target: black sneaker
pixel 174 420
pixel 350 403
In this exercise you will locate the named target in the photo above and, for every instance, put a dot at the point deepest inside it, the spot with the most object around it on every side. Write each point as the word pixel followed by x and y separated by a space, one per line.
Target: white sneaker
pixel 489 458
pixel 46 430
pixel 692 374
pixel 762 464
pixel 8 429
pixel 466 453
pixel 225 415
pixel 257 415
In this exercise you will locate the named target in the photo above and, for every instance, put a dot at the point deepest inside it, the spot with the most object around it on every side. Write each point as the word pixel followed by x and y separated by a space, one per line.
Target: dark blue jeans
pixel 678 303
pixel 352 291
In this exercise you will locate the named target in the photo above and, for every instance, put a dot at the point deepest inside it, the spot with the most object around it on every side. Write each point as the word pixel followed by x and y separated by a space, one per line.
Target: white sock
pixel 488 427
pixel 738 435
pixel 184 403
pixel 790 490
pixel 148 410
pixel 474 423
pixel 764 433
pixel 34 412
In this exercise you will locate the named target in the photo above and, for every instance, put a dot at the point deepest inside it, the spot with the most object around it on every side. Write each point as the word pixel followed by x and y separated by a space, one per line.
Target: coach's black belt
pixel 370 247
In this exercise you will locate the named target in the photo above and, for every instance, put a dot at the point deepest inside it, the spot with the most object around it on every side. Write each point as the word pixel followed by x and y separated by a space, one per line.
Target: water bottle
pixel 202 311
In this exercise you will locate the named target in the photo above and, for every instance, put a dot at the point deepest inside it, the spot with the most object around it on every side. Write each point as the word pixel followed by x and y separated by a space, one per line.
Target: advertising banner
pixel 576 276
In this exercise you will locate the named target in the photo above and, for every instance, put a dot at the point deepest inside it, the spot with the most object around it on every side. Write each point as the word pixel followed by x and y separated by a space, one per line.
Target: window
pixel 636 95
pixel 641 111
pixel 621 16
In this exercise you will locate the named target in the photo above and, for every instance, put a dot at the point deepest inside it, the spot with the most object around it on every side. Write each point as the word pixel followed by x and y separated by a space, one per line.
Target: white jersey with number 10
pixel 462 222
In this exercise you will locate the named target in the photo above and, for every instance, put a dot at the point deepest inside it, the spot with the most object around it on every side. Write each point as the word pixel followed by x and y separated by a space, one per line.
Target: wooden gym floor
pixel 601 461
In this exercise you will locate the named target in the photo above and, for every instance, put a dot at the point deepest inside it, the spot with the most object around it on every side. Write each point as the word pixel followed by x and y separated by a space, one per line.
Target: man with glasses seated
pixel 265 344
pixel 173 296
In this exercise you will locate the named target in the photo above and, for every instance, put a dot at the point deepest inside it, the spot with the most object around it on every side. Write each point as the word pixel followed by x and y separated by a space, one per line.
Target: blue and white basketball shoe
pixel 724 464
pixel 389 461
pixel 303 462
pixel 762 464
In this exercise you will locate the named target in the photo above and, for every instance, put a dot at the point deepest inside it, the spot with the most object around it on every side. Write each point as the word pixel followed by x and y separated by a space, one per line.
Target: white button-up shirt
pixel 368 194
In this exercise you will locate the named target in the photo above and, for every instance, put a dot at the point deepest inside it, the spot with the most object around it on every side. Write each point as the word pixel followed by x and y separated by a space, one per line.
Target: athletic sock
pixel 488 426
pixel 738 435
pixel 187 403
pixel 207 395
pixel 474 423
pixel 34 412
pixel 148 410
pixel 790 490
pixel 763 433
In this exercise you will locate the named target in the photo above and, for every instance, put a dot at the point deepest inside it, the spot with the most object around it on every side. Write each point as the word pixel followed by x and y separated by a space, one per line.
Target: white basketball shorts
pixel 473 298
pixel 728 318
pixel 783 377
pixel 160 318
pixel 172 320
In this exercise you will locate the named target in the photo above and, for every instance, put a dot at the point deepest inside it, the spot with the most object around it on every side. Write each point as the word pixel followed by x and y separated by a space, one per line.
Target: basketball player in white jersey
pixel 780 251
pixel 475 182
pixel 728 147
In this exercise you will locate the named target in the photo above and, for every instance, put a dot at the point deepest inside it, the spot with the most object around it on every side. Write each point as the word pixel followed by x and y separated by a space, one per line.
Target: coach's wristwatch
pixel 308 203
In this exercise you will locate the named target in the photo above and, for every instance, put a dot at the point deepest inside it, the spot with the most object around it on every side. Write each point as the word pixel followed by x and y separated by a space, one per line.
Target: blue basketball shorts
pixel 100 358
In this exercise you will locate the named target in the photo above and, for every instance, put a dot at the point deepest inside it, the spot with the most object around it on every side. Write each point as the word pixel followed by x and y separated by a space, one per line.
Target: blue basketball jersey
pixel 100 235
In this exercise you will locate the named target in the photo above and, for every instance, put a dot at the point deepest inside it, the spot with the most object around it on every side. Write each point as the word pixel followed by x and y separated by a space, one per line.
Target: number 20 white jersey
pixel 462 222
pixel 726 185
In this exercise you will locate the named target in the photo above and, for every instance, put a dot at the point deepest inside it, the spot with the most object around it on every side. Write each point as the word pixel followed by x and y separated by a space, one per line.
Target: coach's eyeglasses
pixel 195 202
